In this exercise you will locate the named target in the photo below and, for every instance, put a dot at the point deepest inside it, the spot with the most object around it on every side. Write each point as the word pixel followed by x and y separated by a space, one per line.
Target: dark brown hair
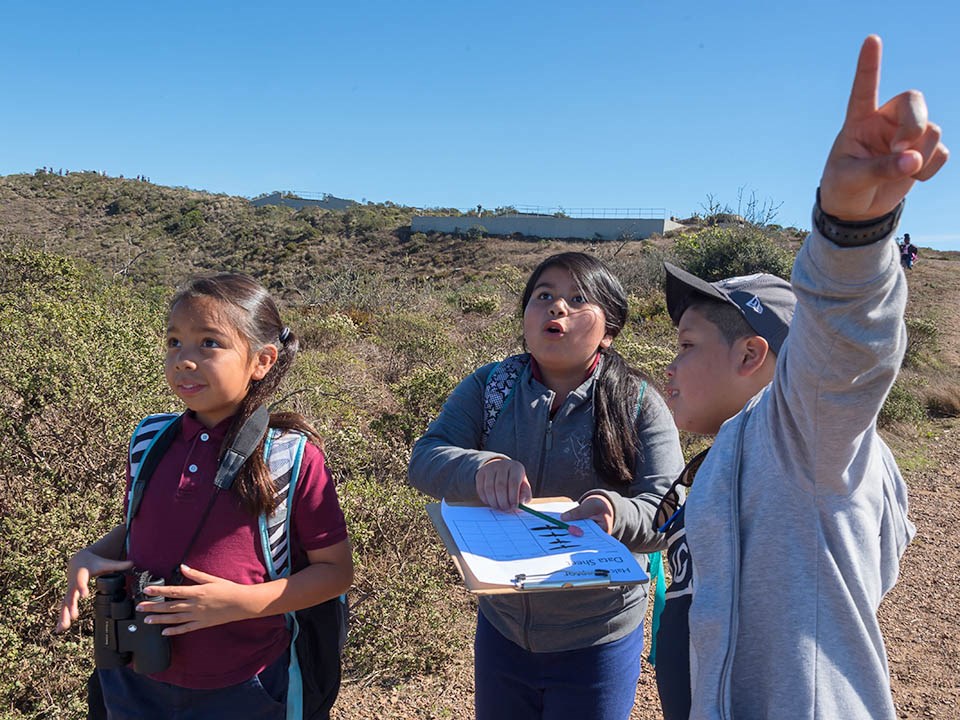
pixel 728 319
pixel 256 318
pixel 617 387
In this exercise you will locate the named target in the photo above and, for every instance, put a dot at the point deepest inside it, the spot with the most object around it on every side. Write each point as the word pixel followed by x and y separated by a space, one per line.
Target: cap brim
pixel 680 288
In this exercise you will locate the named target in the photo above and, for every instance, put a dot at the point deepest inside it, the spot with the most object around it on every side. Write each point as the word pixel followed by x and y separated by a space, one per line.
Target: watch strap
pixel 855 233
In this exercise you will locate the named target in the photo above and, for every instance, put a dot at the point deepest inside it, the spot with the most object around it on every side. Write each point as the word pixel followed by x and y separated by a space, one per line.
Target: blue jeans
pixel 598 682
pixel 129 695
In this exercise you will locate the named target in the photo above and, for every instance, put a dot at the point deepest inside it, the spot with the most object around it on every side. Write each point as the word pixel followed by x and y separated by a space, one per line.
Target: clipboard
pixel 520 582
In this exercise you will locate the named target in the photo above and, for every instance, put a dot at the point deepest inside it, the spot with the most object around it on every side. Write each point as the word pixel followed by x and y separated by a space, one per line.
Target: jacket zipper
pixel 547 445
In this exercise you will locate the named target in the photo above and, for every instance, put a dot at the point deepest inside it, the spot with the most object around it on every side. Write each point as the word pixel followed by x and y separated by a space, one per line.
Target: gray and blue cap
pixel 765 301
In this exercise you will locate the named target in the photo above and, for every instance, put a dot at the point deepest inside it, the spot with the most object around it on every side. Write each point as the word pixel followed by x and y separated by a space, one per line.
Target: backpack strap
pixel 283 452
pixel 498 390
pixel 658 583
pixel 149 442
pixel 153 437
pixel 643 389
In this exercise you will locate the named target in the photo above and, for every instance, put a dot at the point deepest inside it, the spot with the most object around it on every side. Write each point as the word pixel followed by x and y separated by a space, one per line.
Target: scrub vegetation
pixel 390 322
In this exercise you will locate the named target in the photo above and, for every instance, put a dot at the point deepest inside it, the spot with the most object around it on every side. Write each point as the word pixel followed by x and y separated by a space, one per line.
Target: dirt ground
pixel 920 620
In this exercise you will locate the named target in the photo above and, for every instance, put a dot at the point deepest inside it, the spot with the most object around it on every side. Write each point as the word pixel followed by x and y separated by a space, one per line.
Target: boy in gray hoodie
pixel 795 530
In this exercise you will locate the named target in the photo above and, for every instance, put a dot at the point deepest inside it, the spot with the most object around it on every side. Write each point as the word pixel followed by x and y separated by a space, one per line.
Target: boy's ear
pixel 265 359
pixel 753 352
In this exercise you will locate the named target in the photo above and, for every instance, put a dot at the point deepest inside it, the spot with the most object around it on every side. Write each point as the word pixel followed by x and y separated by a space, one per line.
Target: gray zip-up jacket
pixel 558 458
pixel 795 540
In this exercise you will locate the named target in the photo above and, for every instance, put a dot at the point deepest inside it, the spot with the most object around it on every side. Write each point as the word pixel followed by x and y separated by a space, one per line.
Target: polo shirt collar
pixel 191 427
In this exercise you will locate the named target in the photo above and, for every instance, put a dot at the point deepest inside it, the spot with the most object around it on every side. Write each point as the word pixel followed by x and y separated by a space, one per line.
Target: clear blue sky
pixel 586 104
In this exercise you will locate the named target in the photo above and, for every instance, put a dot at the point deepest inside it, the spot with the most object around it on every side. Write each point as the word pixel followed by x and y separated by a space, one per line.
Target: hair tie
pixel 284 335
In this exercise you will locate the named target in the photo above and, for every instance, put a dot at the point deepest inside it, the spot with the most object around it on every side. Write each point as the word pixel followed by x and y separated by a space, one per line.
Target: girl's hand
pixel 502 484
pixel 593 507
pixel 212 601
pixel 83 566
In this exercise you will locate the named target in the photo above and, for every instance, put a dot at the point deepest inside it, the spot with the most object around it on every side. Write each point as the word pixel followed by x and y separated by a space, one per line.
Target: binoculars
pixel 121 637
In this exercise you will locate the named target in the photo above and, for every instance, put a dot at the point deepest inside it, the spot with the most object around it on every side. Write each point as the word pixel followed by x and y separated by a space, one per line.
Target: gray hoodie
pixel 558 458
pixel 795 540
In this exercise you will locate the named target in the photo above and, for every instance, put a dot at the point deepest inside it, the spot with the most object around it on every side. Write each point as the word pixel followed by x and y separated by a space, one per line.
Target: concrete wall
pixel 548 227
pixel 328 203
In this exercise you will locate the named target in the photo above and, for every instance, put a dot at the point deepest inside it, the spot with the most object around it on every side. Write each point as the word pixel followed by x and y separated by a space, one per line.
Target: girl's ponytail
pixel 615 442
pixel 253 485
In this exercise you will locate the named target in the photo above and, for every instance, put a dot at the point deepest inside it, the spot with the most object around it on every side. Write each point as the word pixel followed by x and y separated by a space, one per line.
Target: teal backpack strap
pixel 659 583
pixel 149 441
pixel 643 389
pixel 498 389
pixel 283 453
pixel 318 633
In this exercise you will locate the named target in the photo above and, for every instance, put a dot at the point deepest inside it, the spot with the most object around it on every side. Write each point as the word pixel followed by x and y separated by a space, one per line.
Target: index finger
pixel 866 81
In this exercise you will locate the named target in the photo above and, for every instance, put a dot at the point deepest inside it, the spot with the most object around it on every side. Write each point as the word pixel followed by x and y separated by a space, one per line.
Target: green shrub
pixel 420 397
pixel 646 357
pixel 81 365
pixel 479 303
pixel 902 405
pixel 412 340
pixel 720 252
pixel 922 336
pixel 402 605
pixel 321 330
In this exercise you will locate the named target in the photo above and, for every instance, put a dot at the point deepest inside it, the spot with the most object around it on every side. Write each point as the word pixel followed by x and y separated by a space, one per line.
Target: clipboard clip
pixel 522 581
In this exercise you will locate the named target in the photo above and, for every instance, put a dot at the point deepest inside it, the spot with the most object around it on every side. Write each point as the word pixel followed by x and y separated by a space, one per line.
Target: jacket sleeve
pixel 658 466
pixel 445 460
pixel 845 346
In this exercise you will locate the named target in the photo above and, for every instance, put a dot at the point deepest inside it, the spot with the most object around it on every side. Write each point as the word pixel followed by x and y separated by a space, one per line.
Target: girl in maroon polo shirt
pixel 226 354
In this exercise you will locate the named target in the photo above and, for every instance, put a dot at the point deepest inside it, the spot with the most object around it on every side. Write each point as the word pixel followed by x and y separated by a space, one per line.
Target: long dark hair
pixel 256 318
pixel 617 386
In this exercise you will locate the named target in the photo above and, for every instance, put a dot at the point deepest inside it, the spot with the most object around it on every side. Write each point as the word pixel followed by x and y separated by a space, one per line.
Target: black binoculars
pixel 121 637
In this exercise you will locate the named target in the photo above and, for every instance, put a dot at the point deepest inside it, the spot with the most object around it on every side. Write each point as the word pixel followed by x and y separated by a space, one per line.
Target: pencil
pixel 572 529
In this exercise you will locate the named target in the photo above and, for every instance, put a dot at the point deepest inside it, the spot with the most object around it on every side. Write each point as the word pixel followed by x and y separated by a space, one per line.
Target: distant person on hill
pixel 797 519
pixel 908 252
pixel 574 416
pixel 227 352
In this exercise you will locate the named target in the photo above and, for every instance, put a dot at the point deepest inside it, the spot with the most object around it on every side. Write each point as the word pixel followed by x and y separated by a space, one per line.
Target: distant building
pixel 325 201
pixel 550 226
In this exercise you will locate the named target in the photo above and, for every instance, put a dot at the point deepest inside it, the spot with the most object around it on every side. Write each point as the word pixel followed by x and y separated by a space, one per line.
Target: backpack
pixel 318 633
pixel 497 392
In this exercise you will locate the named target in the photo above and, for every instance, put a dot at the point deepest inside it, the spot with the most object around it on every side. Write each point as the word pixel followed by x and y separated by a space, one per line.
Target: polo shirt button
pixel 204 437
pixel 192 468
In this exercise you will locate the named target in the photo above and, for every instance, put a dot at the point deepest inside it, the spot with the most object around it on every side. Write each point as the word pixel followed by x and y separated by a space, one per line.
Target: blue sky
pixel 454 104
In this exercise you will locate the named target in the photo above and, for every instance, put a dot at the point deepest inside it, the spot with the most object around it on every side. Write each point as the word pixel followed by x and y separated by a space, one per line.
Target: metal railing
pixel 593 212
pixel 652 213
pixel 569 212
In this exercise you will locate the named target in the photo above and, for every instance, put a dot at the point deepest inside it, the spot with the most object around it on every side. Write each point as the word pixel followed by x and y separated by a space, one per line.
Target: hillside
pixel 389 322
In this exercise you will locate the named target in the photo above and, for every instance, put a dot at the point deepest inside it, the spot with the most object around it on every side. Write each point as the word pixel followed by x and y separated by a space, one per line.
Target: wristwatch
pixel 852 234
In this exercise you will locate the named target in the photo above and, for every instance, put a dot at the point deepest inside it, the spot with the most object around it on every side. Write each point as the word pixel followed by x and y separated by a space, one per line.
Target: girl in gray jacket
pixel 576 417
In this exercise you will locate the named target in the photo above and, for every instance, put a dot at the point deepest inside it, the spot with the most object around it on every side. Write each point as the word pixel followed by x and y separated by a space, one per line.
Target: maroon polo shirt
pixel 227 546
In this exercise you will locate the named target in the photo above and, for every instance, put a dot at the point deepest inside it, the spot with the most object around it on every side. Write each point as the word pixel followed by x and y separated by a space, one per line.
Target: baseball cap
pixel 765 301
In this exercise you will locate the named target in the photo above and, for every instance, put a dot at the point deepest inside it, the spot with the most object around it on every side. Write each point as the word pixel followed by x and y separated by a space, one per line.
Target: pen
pixel 572 529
